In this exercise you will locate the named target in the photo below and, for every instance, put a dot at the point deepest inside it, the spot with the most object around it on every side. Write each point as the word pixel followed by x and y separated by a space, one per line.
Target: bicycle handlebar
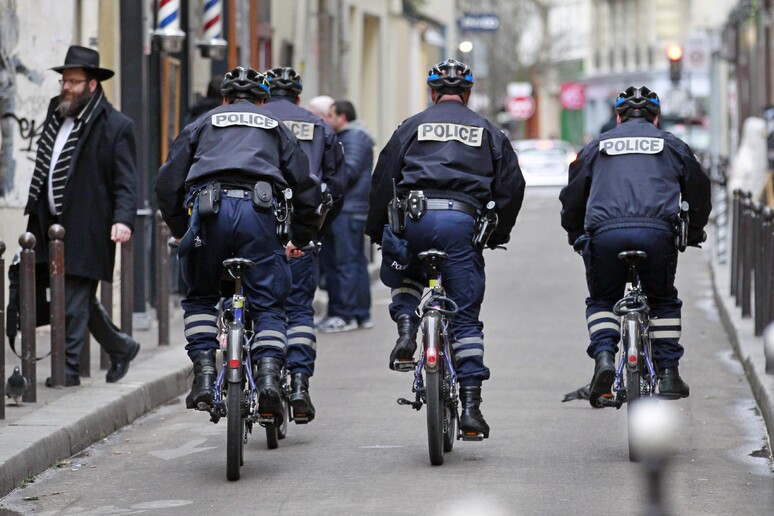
pixel 442 301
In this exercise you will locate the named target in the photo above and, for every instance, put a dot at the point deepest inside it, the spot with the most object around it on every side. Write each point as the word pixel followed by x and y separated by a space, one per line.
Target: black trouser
pixel 83 314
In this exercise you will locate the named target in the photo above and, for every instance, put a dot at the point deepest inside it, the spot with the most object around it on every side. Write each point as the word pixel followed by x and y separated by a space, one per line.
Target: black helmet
pixel 638 102
pixel 245 83
pixel 284 81
pixel 450 76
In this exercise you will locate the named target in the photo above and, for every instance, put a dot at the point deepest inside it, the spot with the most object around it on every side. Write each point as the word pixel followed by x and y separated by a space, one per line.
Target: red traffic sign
pixel 572 95
pixel 520 108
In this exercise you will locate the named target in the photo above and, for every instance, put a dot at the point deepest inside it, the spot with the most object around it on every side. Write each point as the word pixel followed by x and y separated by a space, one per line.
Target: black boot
pixel 269 393
pixel 670 385
pixel 201 396
pixel 300 401
pixel 406 344
pixel 472 423
pixel 604 374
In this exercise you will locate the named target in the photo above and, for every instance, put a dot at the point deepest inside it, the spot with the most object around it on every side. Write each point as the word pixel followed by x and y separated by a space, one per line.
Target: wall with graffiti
pixel 34 36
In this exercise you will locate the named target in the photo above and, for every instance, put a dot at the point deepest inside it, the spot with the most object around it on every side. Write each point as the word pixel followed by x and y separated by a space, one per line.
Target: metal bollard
pixel 747 251
pixel 768 263
pixel 27 307
pixel 163 274
pixel 106 298
pixel 2 329
pixel 759 284
pixel 127 287
pixel 736 227
pixel 768 347
pixel 56 268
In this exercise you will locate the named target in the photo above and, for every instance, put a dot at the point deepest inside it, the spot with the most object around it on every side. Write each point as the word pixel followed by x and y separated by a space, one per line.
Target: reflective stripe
pixel 404 290
pixel 467 341
pixel 601 315
pixel 664 334
pixel 473 352
pixel 302 341
pixel 605 326
pixel 203 330
pixel 200 318
pixel 666 322
pixel 417 285
pixel 267 334
pixel 300 329
pixel 267 343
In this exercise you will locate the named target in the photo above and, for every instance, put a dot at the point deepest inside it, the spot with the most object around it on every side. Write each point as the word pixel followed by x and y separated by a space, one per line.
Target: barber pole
pixel 168 26
pixel 212 44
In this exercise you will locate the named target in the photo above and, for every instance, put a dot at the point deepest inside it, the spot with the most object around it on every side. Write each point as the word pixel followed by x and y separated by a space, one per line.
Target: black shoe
pixel 670 385
pixel 604 374
pixel 472 423
pixel 119 365
pixel 71 380
pixel 300 401
pixel 406 344
pixel 269 391
pixel 201 396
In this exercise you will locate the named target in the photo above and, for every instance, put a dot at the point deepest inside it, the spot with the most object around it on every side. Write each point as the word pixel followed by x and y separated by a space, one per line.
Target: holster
pixel 209 199
pixel 416 204
pixel 396 215
pixel 263 195
pixel 284 213
pixel 486 223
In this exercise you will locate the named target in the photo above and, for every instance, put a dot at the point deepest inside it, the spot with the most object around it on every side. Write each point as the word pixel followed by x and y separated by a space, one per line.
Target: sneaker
pixel 336 324
pixel 365 324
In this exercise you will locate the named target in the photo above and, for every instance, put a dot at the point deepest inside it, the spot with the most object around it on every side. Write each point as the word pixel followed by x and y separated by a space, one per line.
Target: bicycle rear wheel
pixel 435 413
pixel 450 416
pixel 235 430
pixel 632 339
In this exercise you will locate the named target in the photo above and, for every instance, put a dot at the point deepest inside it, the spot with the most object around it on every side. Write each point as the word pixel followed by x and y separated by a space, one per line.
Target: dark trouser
pixel 345 267
pixel 606 277
pixel 302 343
pixel 83 314
pixel 463 279
pixel 237 230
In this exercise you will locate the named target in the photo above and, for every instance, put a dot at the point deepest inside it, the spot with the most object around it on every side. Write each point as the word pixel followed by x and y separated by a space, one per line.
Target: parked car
pixel 544 162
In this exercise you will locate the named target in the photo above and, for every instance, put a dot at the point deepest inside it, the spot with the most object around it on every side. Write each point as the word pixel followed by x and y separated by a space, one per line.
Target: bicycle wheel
pixel 235 430
pixel 435 412
pixel 272 437
pixel 450 416
pixel 632 339
pixel 282 430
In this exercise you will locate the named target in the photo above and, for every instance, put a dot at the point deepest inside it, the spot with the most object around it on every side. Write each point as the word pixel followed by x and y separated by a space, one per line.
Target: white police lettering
pixel 442 132
pixel 398 267
pixel 632 145
pixel 302 130
pixel 248 119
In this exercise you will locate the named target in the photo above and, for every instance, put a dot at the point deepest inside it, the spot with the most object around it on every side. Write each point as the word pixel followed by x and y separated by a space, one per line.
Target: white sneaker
pixel 336 324
pixel 366 324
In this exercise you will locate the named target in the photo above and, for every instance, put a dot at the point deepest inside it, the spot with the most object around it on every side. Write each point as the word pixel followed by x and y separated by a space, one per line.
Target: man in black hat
pixel 86 180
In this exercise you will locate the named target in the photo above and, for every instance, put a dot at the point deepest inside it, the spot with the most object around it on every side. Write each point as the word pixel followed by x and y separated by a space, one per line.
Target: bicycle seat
pixel 432 255
pixel 632 257
pixel 237 265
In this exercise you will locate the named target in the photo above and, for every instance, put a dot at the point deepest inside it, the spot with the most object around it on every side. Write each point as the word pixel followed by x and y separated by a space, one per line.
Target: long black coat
pixel 101 190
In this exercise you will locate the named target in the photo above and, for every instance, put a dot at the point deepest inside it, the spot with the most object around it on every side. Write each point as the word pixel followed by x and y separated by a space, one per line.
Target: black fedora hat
pixel 86 58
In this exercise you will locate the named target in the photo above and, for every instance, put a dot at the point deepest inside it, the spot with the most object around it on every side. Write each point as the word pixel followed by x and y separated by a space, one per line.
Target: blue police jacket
pixel 633 174
pixel 238 144
pixel 317 139
pixel 449 151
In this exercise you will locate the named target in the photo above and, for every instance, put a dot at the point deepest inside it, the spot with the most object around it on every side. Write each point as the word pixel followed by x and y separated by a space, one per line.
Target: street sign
pixel 520 108
pixel 479 22
pixel 572 95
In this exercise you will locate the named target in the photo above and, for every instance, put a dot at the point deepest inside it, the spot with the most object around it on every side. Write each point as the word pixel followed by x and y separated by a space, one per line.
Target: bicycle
pixel 238 401
pixel 635 376
pixel 435 376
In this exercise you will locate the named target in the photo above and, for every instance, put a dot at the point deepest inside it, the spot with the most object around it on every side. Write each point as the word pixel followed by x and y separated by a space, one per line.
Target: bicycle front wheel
pixel 632 339
pixel 435 413
pixel 235 431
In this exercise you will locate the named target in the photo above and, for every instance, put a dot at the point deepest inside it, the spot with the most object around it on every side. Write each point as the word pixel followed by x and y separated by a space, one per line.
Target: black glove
pixel 696 237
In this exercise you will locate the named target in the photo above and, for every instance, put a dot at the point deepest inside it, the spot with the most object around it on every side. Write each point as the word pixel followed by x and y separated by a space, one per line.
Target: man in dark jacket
pixel 624 193
pixel 86 180
pixel 227 169
pixel 344 263
pixel 453 162
pixel 323 150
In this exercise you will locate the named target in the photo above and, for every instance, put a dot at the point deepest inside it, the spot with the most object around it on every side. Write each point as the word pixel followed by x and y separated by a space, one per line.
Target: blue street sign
pixel 479 22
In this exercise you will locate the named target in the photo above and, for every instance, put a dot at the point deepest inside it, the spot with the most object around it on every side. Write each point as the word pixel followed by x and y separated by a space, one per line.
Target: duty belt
pixel 239 193
pixel 451 204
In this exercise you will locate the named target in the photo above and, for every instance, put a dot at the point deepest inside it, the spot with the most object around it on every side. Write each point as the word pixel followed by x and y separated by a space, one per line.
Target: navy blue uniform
pixel 237 145
pixel 624 193
pixel 449 152
pixel 323 150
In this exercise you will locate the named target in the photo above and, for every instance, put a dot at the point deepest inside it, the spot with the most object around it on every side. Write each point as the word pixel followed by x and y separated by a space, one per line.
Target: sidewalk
pixel 63 422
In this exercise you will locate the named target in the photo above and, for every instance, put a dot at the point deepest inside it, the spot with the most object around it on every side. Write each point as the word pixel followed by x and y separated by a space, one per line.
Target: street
pixel 364 454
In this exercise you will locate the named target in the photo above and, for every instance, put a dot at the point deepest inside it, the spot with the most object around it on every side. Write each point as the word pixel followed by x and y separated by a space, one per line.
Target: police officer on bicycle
pixel 443 166
pixel 324 152
pixel 624 193
pixel 219 190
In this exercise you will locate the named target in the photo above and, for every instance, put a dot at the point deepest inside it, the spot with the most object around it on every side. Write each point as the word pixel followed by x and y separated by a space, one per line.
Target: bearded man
pixel 86 180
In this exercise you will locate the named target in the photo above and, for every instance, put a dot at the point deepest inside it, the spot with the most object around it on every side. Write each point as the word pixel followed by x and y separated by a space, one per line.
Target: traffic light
pixel 675 55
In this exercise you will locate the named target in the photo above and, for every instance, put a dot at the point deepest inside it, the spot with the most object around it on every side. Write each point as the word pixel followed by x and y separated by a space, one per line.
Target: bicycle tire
pixel 632 337
pixel 235 431
pixel 450 416
pixel 272 437
pixel 435 411
pixel 282 430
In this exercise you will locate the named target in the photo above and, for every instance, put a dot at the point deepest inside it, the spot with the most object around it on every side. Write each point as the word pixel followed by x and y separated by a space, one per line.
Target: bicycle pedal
pixel 301 419
pixel 266 419
pixel 416 405
pixel 404 366
pixel 472 436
